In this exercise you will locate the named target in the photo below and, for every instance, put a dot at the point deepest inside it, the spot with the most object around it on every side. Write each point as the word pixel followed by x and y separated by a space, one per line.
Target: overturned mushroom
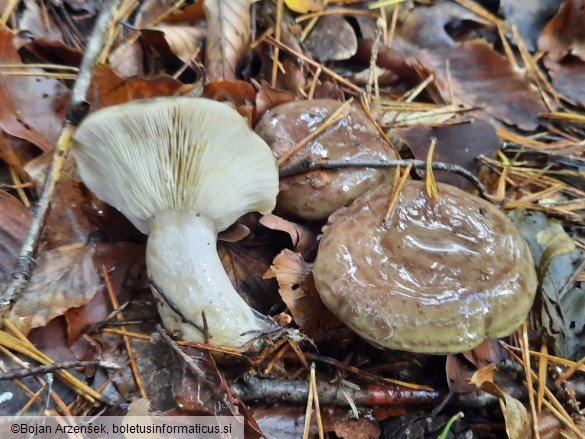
pixel 181 170
pixel 317 194
pixel 437 277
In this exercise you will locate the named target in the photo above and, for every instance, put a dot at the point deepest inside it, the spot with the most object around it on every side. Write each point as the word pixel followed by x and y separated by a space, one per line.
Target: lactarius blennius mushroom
pixel 182 170
pixel 437 277
pixel 316 195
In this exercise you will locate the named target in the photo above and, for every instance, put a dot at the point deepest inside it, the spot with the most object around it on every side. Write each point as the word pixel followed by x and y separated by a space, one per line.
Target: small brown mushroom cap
pixel 438 277
pixel 316 195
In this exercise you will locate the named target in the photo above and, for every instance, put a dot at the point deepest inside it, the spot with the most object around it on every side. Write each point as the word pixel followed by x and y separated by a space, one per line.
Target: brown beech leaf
pixel 107 87
pixel 515 414
pixel 237 92
pixel 125 264
pixel 482 78
pixel 459 144
pixel 64 278
pixel 184 41
pixel 269 97
pixel 14 222
pixel 202 390
pixel 332 39
pixel 304 240
pixel 32 107
pixel 39 22
pixel 245 262
pixel 568 78
pixel 297 290
pixel 565 33
pixel 228 37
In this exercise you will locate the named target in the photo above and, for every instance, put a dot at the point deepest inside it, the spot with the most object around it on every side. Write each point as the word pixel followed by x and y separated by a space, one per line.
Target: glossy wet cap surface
pixel 439 277
pixel 315 195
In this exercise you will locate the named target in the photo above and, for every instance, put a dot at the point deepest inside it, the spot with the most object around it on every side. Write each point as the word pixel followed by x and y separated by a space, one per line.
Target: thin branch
pixel 308 165
pixel 47 368
pixel 78 109
pixel 176 309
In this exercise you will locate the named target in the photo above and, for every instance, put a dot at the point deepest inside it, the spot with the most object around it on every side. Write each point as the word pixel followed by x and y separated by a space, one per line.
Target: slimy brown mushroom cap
pixel 316 195
pixel 438 277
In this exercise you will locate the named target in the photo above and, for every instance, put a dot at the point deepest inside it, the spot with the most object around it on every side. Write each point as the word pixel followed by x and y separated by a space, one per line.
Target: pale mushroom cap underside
pixel 179 154
pixel 439 277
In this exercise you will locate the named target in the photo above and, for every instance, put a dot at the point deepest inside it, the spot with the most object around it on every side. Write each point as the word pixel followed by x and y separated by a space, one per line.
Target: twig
pixel 175 308
pixel 78 109
pixel 252 388
pixel 48 368
pixel 312 62
pixel 307 165
pixel 127 342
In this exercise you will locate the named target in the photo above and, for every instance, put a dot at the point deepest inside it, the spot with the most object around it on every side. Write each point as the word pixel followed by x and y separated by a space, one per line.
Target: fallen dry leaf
pixel 332 39
pixel 565 33
pixel 303 239
pixel 297 290
pixel 126 266
pixel 238 93
pixel 568 78
pixel 38 22
pixel 64 278
pixel 482 78
pixel 202 390
pixel 184 41
pixel 32 107
pixel 228 37
pixel 515 414
pixel 14 223
pixel 245 264
pixel 269 97
pixel 459 144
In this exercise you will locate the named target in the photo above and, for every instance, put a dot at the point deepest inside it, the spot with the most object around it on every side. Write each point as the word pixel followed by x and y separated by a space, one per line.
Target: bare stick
pixel 47 368
pixel 76 112
pixel 308 165
pixel 176 309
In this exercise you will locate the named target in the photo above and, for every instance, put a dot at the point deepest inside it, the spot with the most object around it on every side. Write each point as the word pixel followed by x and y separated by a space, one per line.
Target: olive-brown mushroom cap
pixel 316 195
pixel 438 277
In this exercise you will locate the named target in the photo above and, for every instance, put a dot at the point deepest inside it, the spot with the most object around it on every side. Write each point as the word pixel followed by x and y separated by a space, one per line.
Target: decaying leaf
pixel 64 278
pixel 184 41
pixel 228 37
pixel 14 223
pixel 332 39
pixel 568 78
pixel 303 239
pixel 554 253
pixel 298 291
pixel 269 97
pixel 482 78
pixel 565 33
pixel 459 143
pixel 125 264
pixel 32 108
pixel 515 414
pixel 245 265
pixel 202 390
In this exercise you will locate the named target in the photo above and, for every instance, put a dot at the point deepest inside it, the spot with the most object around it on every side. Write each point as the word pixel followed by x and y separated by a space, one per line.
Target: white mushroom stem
pixel 182 259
